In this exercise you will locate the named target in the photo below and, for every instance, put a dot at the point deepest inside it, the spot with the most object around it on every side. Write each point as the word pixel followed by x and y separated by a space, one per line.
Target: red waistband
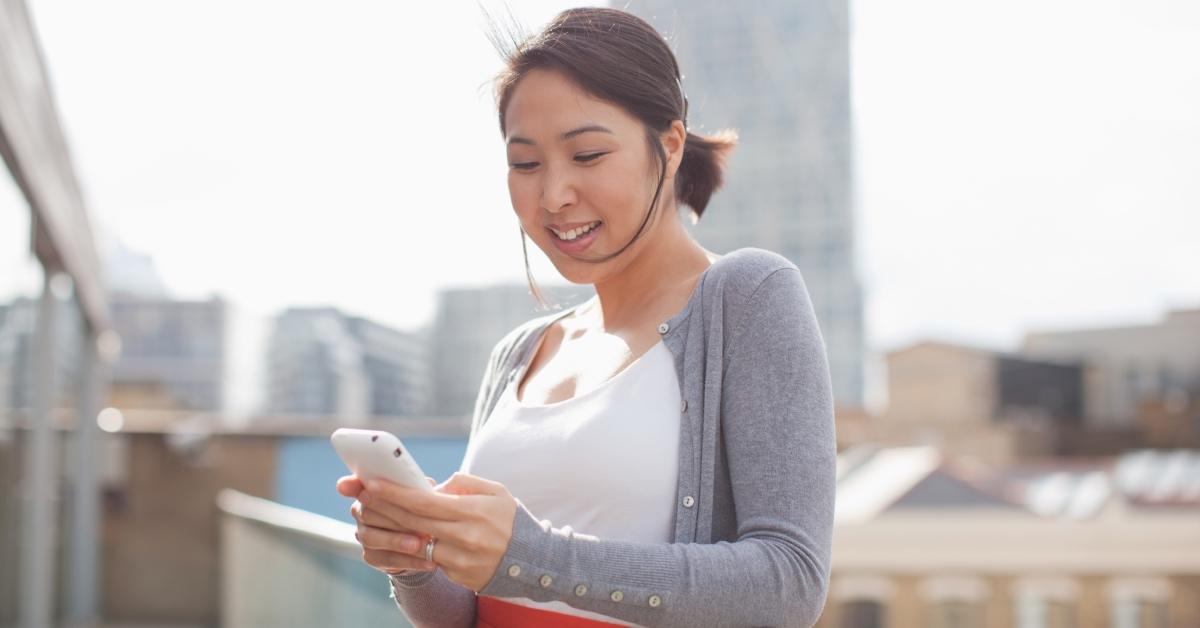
pixel 493 612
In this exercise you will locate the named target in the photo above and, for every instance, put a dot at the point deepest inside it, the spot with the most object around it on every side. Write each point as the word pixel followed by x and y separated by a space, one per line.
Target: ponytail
pixel 701 171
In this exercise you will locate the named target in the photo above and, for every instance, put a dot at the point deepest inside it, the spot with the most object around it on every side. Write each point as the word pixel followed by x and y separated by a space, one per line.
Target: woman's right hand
pixel 386 545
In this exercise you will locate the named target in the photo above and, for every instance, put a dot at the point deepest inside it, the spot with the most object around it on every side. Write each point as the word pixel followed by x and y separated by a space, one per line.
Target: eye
pixel 590 156
pixel 524 165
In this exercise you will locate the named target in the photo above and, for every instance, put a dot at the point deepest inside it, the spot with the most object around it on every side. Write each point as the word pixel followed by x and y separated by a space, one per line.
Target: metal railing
pixel 281 566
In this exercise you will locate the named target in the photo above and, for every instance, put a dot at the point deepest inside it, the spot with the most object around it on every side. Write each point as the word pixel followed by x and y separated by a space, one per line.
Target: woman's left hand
pixel 471 518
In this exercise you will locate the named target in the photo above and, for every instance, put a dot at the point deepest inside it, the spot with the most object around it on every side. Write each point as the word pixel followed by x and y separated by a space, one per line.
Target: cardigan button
pixel 581 590
pixel 545 581
pixel 688 501
pixel 617 596
pixel 514 570
pixel 662 329
pixel 655 601
pixel 683 406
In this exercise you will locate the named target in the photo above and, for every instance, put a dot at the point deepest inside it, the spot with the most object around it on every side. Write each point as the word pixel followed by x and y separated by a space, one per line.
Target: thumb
pixel 466 484
pixel 349 485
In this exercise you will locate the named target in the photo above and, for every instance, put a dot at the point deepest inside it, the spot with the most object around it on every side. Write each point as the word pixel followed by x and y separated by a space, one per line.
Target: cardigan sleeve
pixel 778 430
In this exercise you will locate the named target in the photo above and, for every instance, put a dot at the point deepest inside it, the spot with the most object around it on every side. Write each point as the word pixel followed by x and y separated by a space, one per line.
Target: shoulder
pixel 751 264
pixel 758 289
pixel 505 354
pixel 745 274
pixel 507 349
pixel 742 271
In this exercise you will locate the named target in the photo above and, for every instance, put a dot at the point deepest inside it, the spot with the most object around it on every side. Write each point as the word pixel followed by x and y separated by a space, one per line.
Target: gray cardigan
pixel 757 470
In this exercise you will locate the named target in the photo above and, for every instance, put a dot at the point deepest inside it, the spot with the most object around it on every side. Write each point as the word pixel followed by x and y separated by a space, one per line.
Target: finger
pixel 372 517
pixel 411 544
pixel 428 504
pixel 349 485
pixel 386 561
pixel 383 539
pixel 403 520
pixel 452 557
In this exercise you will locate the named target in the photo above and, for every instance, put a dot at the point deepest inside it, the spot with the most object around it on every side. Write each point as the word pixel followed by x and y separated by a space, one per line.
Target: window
pixel 862 614
pixel 1139 602
pixel 1131 612
pixel 1046 602
pixel 955 600
pixel 1036 611
pixel 862 599
pixel 956 614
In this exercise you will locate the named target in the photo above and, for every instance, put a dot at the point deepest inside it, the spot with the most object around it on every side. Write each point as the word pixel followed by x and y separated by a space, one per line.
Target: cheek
pixel 522 193
pixel 617 194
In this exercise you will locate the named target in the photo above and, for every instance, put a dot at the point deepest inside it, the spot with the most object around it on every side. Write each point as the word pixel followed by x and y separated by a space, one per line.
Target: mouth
pixel 579 243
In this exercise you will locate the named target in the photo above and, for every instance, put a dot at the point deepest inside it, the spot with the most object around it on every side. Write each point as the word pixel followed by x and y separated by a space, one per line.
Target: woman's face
pixel 574 160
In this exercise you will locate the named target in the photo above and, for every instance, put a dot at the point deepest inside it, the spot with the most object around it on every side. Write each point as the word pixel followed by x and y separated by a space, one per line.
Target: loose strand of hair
pixel 653 202
pixel 534 289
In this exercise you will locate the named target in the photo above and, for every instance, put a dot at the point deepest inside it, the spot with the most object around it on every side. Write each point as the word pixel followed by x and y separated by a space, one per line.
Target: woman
pixel 660 455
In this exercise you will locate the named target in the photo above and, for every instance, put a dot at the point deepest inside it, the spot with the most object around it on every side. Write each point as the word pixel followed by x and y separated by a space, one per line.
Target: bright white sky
pixel 1022 165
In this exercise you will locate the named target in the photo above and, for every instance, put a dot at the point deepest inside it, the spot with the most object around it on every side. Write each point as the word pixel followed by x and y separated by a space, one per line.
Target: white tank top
pixel 603 463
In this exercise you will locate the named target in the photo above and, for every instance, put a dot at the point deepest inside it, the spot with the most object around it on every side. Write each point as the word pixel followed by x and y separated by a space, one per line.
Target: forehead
pixel 547 102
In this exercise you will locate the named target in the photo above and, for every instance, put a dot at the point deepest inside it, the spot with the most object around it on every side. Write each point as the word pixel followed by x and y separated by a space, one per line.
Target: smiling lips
pixel 573 231
pixel 581 239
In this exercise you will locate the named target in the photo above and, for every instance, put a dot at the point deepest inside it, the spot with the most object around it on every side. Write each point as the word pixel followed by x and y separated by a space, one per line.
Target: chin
pixel 577 272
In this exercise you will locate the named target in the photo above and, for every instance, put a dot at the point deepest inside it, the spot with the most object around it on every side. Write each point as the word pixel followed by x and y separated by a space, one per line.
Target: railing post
pixel 40 482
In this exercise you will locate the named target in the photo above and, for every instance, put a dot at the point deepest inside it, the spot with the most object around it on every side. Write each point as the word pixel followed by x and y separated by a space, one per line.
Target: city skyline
pixel 782 74
pixel 995 196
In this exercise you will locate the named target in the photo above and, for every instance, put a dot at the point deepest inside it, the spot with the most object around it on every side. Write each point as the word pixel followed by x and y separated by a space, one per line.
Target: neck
pixel 668 260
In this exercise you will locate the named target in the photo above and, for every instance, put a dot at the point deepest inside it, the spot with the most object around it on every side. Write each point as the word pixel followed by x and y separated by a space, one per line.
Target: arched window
pixel 864 600
pixel 862 613
pixel 1046 602
pixel 954 601
pixel 1139 602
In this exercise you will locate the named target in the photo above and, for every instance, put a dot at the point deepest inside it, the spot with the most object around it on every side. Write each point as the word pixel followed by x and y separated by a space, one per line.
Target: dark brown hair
pixel 619 58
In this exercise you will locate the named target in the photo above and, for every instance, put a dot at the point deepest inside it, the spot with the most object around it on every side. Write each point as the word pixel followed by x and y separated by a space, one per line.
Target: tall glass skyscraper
pixel 778 71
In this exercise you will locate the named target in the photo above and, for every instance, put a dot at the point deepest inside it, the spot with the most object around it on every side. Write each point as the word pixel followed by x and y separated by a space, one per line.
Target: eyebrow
pixel 516 139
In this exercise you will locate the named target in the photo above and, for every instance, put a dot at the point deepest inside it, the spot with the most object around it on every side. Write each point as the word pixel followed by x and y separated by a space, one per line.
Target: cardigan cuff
pixel 516 571
pixel 525 571
pixel 413 580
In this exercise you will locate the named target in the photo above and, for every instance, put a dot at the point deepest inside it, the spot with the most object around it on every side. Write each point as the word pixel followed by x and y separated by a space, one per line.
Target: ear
pixel 673 140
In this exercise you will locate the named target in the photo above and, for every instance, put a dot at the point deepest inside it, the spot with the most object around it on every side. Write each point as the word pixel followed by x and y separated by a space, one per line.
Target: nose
pixel 558 190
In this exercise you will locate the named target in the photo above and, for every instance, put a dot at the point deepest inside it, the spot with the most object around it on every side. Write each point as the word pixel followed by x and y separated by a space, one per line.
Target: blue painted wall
pixel 308 468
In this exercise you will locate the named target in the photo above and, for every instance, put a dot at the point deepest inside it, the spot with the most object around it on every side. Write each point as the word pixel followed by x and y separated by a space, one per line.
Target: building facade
pixel 322 362
pixel 779 74
pixel 922 540
pixel 178 346
pixel 1129 365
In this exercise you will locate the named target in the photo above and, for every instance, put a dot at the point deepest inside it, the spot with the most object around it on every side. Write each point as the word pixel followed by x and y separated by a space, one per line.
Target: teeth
pixel 576 232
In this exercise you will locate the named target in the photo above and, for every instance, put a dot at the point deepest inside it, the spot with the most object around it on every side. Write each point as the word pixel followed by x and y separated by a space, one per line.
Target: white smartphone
pixel 378 454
